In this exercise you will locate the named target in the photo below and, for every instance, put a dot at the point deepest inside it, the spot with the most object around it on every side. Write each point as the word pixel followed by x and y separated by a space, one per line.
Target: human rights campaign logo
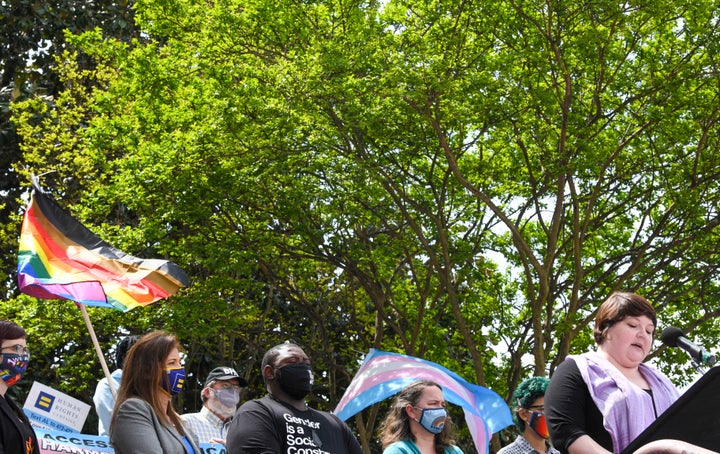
pixel 44 401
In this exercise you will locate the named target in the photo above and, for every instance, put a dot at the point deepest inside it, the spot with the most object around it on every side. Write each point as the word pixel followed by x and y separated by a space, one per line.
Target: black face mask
pixel 295 379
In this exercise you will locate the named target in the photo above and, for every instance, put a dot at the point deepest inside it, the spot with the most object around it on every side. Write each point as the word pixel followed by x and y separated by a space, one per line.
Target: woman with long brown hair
pixel 418 423
pixel 144 420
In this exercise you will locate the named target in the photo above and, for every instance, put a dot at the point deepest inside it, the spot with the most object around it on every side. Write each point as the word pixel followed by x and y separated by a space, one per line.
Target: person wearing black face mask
pixel 282 422
pixel 16 433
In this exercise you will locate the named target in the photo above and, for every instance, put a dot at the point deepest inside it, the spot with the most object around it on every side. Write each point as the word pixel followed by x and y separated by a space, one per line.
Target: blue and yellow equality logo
pixel 44 401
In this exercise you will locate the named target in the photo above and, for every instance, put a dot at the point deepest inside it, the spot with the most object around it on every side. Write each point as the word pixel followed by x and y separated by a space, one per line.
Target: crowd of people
pixel 595 402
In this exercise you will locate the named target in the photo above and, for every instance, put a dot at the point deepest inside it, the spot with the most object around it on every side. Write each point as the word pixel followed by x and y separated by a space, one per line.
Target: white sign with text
pixel 51 409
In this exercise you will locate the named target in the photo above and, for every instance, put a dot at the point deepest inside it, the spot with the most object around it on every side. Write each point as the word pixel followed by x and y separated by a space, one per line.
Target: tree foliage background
pixel 462 181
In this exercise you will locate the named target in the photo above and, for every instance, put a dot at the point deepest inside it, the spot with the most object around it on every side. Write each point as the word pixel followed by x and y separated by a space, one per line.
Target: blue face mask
pixel 432 419
pixel 12 367
pixel 176 380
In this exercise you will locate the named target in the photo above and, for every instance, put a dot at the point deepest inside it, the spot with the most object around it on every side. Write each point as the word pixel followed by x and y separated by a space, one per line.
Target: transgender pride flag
pixel 384 374
pixel 61 259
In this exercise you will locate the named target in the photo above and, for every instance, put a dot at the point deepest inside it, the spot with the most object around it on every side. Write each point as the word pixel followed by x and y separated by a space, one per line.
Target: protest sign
pixel 49 408
pixel 59 442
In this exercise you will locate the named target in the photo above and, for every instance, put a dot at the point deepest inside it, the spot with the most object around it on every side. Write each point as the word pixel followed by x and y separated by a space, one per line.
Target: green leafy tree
pixel 463 181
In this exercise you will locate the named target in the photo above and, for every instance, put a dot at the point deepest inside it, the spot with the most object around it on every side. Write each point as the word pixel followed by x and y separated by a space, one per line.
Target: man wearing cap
pixel 220 397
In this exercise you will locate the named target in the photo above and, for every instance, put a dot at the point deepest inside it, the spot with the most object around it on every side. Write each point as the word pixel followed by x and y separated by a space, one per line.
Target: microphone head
pixel 670 335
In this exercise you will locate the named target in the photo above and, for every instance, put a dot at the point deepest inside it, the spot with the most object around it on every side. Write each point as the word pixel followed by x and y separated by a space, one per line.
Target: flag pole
pixel 98 350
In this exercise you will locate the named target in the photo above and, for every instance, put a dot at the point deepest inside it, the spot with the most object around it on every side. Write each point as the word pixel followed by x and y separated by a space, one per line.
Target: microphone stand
pixel 702 370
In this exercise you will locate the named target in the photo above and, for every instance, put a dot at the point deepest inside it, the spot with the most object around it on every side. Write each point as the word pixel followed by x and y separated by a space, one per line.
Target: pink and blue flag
pixel 384 374
pixel 59 258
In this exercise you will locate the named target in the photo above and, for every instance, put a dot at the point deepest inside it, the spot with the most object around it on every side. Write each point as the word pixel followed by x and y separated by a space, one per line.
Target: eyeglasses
pixel 17 348
pixel 539 408
pixel 237 388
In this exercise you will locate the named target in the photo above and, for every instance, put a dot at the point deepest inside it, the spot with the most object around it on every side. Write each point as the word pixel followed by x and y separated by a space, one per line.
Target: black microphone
pixel 673 337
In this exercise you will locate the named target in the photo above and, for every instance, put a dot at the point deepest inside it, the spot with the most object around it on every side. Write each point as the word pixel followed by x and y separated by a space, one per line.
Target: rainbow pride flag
pixel 59 258
pixel 384 374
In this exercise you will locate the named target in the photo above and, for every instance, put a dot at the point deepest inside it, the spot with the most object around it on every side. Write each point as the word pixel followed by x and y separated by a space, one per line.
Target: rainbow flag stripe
pixel 59 258
pixel 384 374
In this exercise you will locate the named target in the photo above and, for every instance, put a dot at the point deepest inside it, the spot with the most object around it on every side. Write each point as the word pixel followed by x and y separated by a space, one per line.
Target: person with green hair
pixel 529 400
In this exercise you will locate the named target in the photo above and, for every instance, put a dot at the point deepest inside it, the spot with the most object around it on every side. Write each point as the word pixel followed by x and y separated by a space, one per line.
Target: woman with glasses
pixel 529 397
pixel 418 423
pixel 144 420
pixel 16 433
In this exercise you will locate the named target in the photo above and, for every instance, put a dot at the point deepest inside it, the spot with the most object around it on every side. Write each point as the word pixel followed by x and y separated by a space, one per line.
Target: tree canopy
pixel 462 181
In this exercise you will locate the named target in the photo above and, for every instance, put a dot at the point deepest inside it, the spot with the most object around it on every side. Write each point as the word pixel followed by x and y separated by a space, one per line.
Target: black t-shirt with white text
pixel 267 426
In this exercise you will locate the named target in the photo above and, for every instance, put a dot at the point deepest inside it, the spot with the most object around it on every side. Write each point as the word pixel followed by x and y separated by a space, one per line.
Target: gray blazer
pixel 137 430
